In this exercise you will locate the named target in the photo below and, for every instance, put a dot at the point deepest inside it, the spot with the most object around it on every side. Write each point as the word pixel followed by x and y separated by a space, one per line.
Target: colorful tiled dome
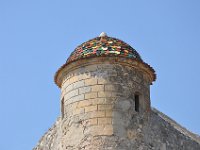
pixel 100 48
pixel 103 46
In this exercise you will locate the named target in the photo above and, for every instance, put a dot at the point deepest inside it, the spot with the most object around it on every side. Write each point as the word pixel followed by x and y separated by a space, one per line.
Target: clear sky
pixel 37 36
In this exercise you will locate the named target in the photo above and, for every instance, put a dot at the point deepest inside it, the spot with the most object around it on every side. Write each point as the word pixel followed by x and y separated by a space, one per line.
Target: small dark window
pixel 62 107
pixel 137 103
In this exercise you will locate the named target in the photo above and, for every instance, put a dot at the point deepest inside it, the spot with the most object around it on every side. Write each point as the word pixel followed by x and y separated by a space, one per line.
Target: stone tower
pixel 105 103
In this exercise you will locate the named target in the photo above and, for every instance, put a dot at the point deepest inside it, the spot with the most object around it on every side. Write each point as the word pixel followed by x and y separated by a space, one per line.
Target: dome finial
pixel 102 34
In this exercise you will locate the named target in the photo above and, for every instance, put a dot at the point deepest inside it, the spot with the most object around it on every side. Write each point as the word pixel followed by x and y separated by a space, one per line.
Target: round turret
pixel 105 94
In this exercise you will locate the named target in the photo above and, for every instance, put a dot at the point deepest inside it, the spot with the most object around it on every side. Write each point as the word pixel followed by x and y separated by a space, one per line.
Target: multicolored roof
pixel 103 46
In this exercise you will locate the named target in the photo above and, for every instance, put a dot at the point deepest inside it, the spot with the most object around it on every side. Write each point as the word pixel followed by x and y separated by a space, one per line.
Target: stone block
pixel 105 107
pixel 75 99
pixel 84 103
pixel 95 114
pixel 108 130
pixel 78 84
pixel 65 83
pixel 84 89
pixel 103 121
pixel 93 101
pixel 91 95
pixel 110 100
pixel 73 79
pixel 98 101
pixel 109 113
pixel 91 81
pixel 109 87
pixel 104 94
pixel 97 88
pixel 112 87
pixel 91 108
pixel 71 94
pixel 69 88
pixel 78 111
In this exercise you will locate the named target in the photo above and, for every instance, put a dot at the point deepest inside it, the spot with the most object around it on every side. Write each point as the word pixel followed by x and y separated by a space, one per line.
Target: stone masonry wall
pixel 162 133
pixel 51 139
pixel 98 113
pixel 98 106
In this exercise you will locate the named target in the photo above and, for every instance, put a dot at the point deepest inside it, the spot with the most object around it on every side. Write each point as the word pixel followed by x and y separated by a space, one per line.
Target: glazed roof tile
pixel 107 47
pixel 103 46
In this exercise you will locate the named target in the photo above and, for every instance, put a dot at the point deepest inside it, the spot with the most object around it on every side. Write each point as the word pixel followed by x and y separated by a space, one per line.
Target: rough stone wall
pixel 99 109
pixel 51 139
pixel 98 113
pixel 162 133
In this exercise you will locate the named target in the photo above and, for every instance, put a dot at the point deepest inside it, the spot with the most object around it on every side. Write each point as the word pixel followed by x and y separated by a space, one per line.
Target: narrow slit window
pixel 62 107
pixel 137 103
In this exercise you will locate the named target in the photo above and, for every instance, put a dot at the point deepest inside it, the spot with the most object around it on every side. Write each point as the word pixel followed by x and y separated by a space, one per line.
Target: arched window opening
pixel 136 102
pixel 62 108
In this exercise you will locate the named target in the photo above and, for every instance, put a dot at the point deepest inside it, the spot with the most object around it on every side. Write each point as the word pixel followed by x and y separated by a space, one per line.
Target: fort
pixel 105 103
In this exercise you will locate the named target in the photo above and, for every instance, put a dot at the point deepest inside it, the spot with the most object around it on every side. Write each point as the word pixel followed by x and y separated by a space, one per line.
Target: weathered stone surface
pixel 161 133
pixel 51 139
pixel 100 112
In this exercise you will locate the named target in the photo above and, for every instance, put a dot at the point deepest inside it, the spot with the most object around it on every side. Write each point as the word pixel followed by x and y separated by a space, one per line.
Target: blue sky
pixel 37 36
